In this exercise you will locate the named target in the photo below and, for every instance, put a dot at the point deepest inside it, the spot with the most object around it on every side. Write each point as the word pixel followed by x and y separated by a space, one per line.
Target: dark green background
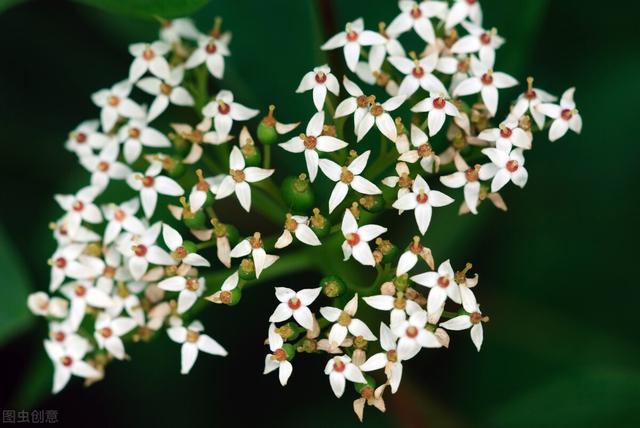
pixel 557 271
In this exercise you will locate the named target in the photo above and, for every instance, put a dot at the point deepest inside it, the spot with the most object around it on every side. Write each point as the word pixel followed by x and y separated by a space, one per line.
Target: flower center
pixel 80 290
pixel 377 110
pixel 109 272
pixel 485 38
pixel 134 133
pixel 59 336
pixel 505 132
pixel 566 114
pixel 148 54
pixel 352 36
pixel 147 181
pixel 443 282
pixel 512 165
pixel 113 101
pixel 211 48
pixel 405 181
pixel 338 365
pixel 310 142
pixel 77 206
pixel 61 262
pixel 487 79
pixel 237 175
pixel 119 215
pixel 280 355
pixel 344 319
pixel 362 101
pixel 463 65
pixel 81 138
pixel 192 284
pixel 530 94
pixel 66 361
pixel 106 332
pixel 294 303
pixel 103 166
pixel 224 108
pixel 165 88
pixel 346 176
pixel 472 2
pixel 418 72
pixel 475 318
pixel 140 250
pixel 439 103
pixel 392 356
pixel 399 303
pixel 416 12
pixel 179 253
pixel 471 174
pixel 321 77
pixel 422 197
pixel 192 336
pixel 411 331
pixel 353 239
pixel 425 150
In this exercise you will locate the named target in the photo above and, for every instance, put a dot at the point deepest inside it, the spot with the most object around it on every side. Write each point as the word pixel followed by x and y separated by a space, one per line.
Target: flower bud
pixel 388 250
pixel 308 346
pixel 298 194
pixel 388 289
pixel 372 203
pixel 231 297
pixel 247 270
pixel 401 282
pixel 267 133
pixel 332 286
pixel 371 383
pixel 319 224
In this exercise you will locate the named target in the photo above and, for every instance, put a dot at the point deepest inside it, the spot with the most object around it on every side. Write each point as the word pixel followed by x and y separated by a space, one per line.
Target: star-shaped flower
pixel 85 138
pixel 356 239
pixel 438 108
pixel 345 322
pixel 193 340
pixel 340 369
pixel 462 9
pixel 278 359
pixel 68 360
pixel 69 262
pixel 351 40
pixel 473 321
pixel 478 40
pixel 504 167
pixel 378 114
pixel 391 47
pixel 80 207
pixel 115 103
pixel 254 246
pixel 422 200
pixel 388 360
pixel 398 306
pixel 140 250
pixel 418 74
pixel 320 80
pixel 507 135
pixel 224 111
pixel 105 166
pixel 189 288
pixel 442 284
pixel 239 178
pixel 357 103
pixel 149 57
pixel 313 142
pixel 82 294
pixel 179 250
pixel 418 16
pixel 467 177
pixel 122 217
pixel 167 91
pixel 296 225
pixel 413 336
pixel 171 31
pixel 150 184
pixel 135 134
pixel 530 100
pixel 409 258
pixel 211 52
pixel 108 332
pixel 295 304
pixel 565 116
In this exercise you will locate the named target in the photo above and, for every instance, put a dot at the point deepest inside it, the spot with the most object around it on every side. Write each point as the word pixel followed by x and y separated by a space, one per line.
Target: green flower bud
pixel 190 219
pixel 319 224
pixel 371 383
pixel 372 203
pixel 247 270
pixel 401 282
pixel 174 167
pixel 297 193
pixel 251 154
pixel 289 350
pixel 332 286
pixel 232 297
pixel 267 133
pixel 308 345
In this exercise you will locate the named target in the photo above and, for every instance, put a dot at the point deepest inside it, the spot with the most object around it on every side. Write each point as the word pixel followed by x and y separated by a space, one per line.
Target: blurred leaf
pixel 14 316
pixel 148 8
pixel 6 4
pixel 36 382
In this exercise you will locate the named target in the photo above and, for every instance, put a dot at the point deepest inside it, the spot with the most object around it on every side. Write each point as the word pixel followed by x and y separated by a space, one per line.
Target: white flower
pixel 565 116
pixel 442 284
pixel 295 304
pixel 340 369
pixel 167 91
pixel 277 360
pixel 193 340
pixel 85 138
pixel 40 303
pixel 64 236
pixel 397 306
pixel 529 101
pixel 376 77
pixel 197 137
pixel 80 207
pixel 409 258
pixel 149 57
pixel 473 321
pixel 105 166
pixel 114 103
pixel 173 30
pixel 414 336
pixel 122 217
pixel 378 114
pixel 150 184
pixel 467 177
pixel 67 360
pixel 418 16
pixel 68 262
pixel 422 200
pixel 124 299
pixel 357 103
pixel 297 225
pixel 189 288
pixel 239 178
pixel 462 9
pixel 108 333
pixel 403 180
pixel 505 166
pixel 224 111
pixel 313 142
pixel 388 359
pixel 418 74
pixel 320 80
pixel 506 136
pixel 200 191
pixel 345 323
pixel 351 41
pixel 81 294
pixel 439 108
pixel 478 40
pixel 253 246
pixel 61 332
pixel 140 250
pixel 178 250
pixel 356 239
pixel 211 52
pixel 486 81
pixel 392 47
pixel 135 134
pixel 231 282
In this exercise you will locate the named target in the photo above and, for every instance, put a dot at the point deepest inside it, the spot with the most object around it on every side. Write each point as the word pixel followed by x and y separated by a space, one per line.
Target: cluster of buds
pixel 125 270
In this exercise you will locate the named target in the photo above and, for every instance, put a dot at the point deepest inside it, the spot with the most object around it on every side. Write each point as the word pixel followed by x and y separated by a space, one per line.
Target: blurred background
pixel 557 271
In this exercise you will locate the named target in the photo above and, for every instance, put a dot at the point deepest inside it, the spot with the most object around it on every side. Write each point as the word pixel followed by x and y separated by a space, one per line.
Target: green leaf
pixel 148 8
pixel 14 315
pixel 6 4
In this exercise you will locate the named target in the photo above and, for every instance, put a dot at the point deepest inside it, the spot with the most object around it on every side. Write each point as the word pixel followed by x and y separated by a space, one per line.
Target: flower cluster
pixel 129 266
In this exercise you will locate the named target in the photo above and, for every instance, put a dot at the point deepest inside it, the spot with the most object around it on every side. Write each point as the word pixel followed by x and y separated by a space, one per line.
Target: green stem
pixel 266 161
